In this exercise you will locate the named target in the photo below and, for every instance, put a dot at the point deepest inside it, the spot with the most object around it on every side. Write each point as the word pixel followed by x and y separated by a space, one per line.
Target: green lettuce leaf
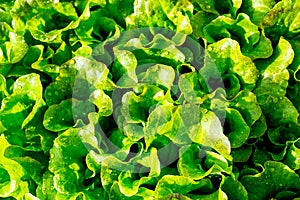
pixel 257 10
pixel 12 184
pixel 276 177
pixel 234 189
pixel 191 157
pixel 70 111
pixel 173 15
pixel 227 56
pixel 273 84
pixel 210 134
pixel 253 43
pixel 19 108
pixel 175 184
pixel 13 50
pixel 238 129
pixel 282 19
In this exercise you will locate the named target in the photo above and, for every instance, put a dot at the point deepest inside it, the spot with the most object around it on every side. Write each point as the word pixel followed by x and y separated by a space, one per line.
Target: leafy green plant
pixel 136 99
